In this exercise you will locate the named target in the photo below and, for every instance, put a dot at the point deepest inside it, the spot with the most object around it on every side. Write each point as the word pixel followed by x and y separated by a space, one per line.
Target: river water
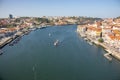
pixel 35 57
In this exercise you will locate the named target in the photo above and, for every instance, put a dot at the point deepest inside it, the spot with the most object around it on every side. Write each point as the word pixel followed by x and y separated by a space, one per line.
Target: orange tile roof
pixel 2 31
pixel 12 29
pixel 112 37
pixel 116 31
pixel 98 29
pixel 117 37
pixel 107 28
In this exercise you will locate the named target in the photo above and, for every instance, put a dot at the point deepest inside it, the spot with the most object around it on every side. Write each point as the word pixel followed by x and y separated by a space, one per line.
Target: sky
pixel 38 8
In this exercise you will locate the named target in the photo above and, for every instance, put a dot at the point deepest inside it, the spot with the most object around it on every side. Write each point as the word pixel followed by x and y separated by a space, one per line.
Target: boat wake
pixel 56 42
pixel 34 72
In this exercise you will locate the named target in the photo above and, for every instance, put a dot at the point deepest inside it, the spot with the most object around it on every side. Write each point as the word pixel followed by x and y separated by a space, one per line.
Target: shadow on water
pixel 1 78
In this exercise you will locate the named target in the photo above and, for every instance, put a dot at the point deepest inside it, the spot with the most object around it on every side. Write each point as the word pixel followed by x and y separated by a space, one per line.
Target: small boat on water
pixel 11 44
pixel 15 41
pixel 42 27
pixel 27 32
pixel 90 43
pixel 107 55
pixel 49 34
pixel 33 29
pixel 1 52
pixel 56 42
pixel 85 39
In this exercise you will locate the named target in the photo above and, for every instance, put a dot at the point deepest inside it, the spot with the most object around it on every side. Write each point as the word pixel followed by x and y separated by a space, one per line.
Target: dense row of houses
pixel 9 27
pixel 108 30
pixel 5 32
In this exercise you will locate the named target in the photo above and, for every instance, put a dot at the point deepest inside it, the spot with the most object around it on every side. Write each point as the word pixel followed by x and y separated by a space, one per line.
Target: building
pixel 10 16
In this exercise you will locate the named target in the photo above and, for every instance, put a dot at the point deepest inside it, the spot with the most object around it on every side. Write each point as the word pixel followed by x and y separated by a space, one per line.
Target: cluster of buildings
pixel 61 20
pixel 10 26
pixel 108 30
pixel 65 20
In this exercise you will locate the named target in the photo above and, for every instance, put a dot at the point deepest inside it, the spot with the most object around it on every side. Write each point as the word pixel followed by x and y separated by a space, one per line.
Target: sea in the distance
pixel 35 57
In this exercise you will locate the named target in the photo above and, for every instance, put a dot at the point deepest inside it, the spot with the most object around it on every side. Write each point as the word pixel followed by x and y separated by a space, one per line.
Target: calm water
pixel 36 58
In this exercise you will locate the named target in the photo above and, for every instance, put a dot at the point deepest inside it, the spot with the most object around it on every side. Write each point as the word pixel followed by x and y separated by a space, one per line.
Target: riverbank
pixel 106 46
pixel 7 40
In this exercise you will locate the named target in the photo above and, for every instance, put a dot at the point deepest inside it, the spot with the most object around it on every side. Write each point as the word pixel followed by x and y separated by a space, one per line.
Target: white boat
pixel 85 39
pixel 33 29
pixel 49 34
pixel 56 42
pixel 90 43
pixel 107 55
pixel 39 27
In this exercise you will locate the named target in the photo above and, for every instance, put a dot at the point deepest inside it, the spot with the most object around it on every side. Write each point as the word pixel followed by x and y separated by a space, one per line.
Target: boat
pixel 49 34
pixel 11 44
pixel 27 32
pixel 39 27
pixel 43 27
pixel 90 43
pixel 56 42
pixel 107 55
pixel 15 41
pixel 85 39
pixel 1 52
pixel 33 29
pixel 108 51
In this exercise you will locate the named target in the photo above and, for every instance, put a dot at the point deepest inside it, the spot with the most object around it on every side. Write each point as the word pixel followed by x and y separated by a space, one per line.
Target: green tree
pixel 100 40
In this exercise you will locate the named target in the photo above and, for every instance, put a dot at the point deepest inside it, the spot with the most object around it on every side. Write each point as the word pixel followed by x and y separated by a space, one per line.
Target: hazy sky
pixel 36 8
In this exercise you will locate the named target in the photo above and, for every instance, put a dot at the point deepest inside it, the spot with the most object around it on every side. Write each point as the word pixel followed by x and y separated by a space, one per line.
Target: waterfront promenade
pixel 5 41
pixel 9 39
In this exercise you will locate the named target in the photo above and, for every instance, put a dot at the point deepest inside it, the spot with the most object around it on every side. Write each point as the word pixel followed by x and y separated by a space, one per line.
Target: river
pixel 35 57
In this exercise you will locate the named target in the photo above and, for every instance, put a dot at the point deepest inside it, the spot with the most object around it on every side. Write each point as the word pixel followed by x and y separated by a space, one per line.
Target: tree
pixel 101 34
pixel 100 40
pixel 17 20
